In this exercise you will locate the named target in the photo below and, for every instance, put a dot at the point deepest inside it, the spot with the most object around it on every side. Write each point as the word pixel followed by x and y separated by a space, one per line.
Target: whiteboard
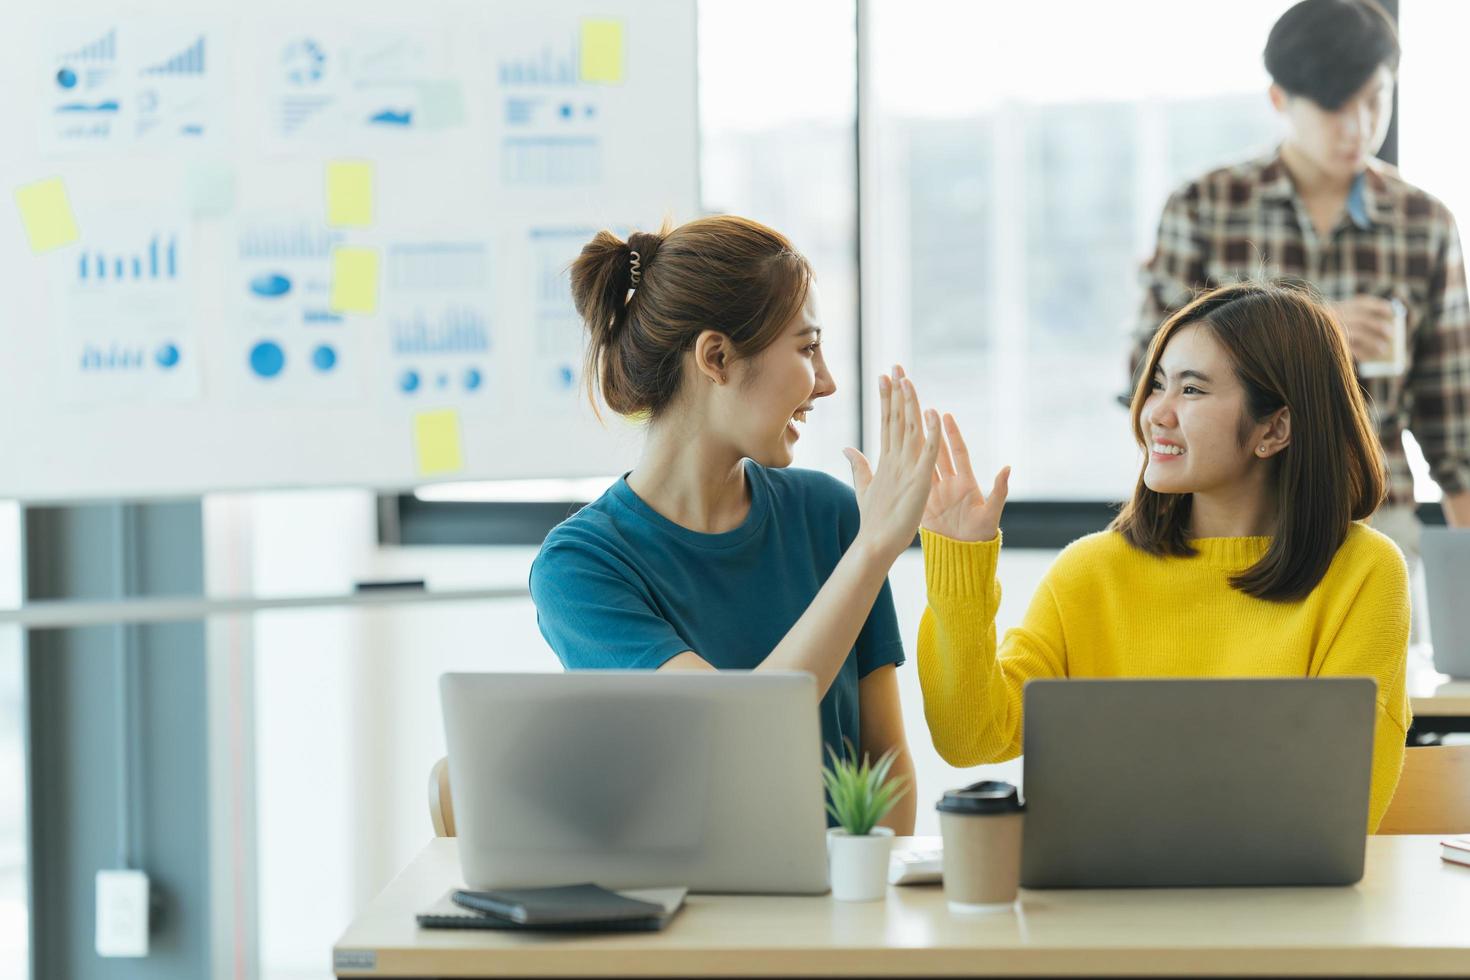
pixel 321 243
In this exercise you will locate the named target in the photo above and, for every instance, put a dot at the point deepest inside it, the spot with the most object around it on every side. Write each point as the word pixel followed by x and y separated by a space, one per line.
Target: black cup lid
pixel 989 796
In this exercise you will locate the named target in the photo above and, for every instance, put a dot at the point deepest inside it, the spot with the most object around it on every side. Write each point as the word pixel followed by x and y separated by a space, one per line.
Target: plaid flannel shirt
pixel 1247 221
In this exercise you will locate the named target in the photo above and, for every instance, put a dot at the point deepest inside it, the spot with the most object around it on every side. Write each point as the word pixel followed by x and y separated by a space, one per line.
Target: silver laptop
pixel 637 779
pixel 1446 554
pixel 1180 783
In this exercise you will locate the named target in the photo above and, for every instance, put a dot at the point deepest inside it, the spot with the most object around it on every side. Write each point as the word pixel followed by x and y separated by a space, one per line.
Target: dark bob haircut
pixel 1288 350
pixel 1328 49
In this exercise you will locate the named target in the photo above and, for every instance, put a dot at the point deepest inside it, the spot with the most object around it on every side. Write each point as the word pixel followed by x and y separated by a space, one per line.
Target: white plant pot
pixel 859 864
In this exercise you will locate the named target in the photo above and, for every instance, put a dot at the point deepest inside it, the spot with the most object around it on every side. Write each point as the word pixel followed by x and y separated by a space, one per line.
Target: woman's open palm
pixel 957 508
pixel 892 498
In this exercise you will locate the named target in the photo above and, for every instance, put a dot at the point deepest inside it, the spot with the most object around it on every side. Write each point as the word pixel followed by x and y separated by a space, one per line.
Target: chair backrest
pixel 441 804
pixel 1433 796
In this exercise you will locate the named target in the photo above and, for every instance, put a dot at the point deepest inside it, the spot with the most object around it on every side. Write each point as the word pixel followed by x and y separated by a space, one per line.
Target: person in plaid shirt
pixel 1322 209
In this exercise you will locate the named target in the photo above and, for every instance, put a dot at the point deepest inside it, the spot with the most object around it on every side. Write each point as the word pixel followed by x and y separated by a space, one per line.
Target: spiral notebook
pixel 580 908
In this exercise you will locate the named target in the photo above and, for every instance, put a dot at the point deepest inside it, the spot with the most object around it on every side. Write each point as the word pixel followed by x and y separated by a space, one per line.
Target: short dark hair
pixel 1328 49
pixel 1289 350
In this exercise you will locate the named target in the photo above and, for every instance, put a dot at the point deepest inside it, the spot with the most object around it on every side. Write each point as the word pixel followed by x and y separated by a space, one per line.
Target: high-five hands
pixel 892 499
pixel 956 507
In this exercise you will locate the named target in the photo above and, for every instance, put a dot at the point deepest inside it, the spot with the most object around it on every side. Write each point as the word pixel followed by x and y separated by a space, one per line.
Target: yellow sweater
pixel 1106 609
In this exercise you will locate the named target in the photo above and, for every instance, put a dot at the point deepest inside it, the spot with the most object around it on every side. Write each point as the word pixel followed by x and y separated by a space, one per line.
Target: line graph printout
pixel 334 81
pixel 144 81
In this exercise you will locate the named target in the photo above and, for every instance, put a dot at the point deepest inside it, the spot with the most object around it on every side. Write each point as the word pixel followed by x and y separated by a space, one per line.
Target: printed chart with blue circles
pixel 471 380
pixel 267 359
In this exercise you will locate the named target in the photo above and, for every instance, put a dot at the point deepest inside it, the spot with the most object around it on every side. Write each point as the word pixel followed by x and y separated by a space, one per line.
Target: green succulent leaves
pixel 861 794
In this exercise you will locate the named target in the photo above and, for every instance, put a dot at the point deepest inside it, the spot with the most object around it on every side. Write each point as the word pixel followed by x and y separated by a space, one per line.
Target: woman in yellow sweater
pixel 1240 554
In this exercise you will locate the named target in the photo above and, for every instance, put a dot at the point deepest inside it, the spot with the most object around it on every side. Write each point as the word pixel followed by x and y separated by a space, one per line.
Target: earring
pixel 1261 449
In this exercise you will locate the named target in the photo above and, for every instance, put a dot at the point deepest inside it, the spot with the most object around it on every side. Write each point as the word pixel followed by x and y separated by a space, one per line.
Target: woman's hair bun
pixel 646 300
pixel 642 247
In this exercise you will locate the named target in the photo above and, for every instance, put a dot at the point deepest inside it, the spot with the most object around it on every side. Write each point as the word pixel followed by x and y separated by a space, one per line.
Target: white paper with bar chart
pixel 323 243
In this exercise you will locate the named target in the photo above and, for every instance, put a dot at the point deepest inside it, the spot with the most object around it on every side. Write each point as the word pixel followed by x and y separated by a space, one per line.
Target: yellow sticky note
pixel 354 280
pixel 349 193
pixel 436 438
pixel 602 51
pixel 46 214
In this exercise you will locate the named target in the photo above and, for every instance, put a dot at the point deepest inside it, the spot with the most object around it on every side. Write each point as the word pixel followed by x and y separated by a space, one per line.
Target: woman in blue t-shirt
pixel 712 553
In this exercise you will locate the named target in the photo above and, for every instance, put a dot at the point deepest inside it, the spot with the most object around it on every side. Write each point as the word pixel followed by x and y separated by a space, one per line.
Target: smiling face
pixel 1192 420
pixel 1340 141
pixel 771 393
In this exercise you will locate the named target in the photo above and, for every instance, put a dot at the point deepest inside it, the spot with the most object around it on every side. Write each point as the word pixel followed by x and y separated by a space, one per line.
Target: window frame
pixel 405 520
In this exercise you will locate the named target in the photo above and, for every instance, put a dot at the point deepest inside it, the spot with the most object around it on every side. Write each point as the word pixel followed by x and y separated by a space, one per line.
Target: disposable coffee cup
pixel 1397 361
pixel 981 825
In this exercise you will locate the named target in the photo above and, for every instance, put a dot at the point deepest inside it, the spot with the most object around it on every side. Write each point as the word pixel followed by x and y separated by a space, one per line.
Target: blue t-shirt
pixel 619 586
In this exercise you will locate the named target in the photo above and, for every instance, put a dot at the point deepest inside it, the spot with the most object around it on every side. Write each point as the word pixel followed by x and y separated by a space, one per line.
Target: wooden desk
pixel 1409 915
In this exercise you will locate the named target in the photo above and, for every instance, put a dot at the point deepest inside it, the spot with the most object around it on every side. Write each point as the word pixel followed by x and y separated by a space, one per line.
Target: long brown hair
pixel 645 302
pixel 1288 351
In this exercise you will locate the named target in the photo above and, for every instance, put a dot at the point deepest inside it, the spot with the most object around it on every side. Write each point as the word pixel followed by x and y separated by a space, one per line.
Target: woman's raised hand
pixel 956 508
pixel 892 499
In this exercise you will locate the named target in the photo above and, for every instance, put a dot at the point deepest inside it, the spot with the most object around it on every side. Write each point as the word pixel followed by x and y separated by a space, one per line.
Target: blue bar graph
pixel 190 61
pixel 300 241
pixel 114 356
pixel 547 67
pixel 102 49
pixel 158 262
pixel 459 330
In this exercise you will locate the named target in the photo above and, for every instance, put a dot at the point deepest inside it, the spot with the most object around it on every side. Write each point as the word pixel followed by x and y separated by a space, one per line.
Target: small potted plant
pixel 858 796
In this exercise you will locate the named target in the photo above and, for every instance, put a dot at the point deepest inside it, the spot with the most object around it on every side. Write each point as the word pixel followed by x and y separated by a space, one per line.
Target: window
pixel 1432 143
pixel 1018 165
pixel 778 104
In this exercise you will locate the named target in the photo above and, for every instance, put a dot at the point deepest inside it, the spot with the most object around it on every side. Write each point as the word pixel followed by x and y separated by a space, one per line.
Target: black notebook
pixel 569 907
